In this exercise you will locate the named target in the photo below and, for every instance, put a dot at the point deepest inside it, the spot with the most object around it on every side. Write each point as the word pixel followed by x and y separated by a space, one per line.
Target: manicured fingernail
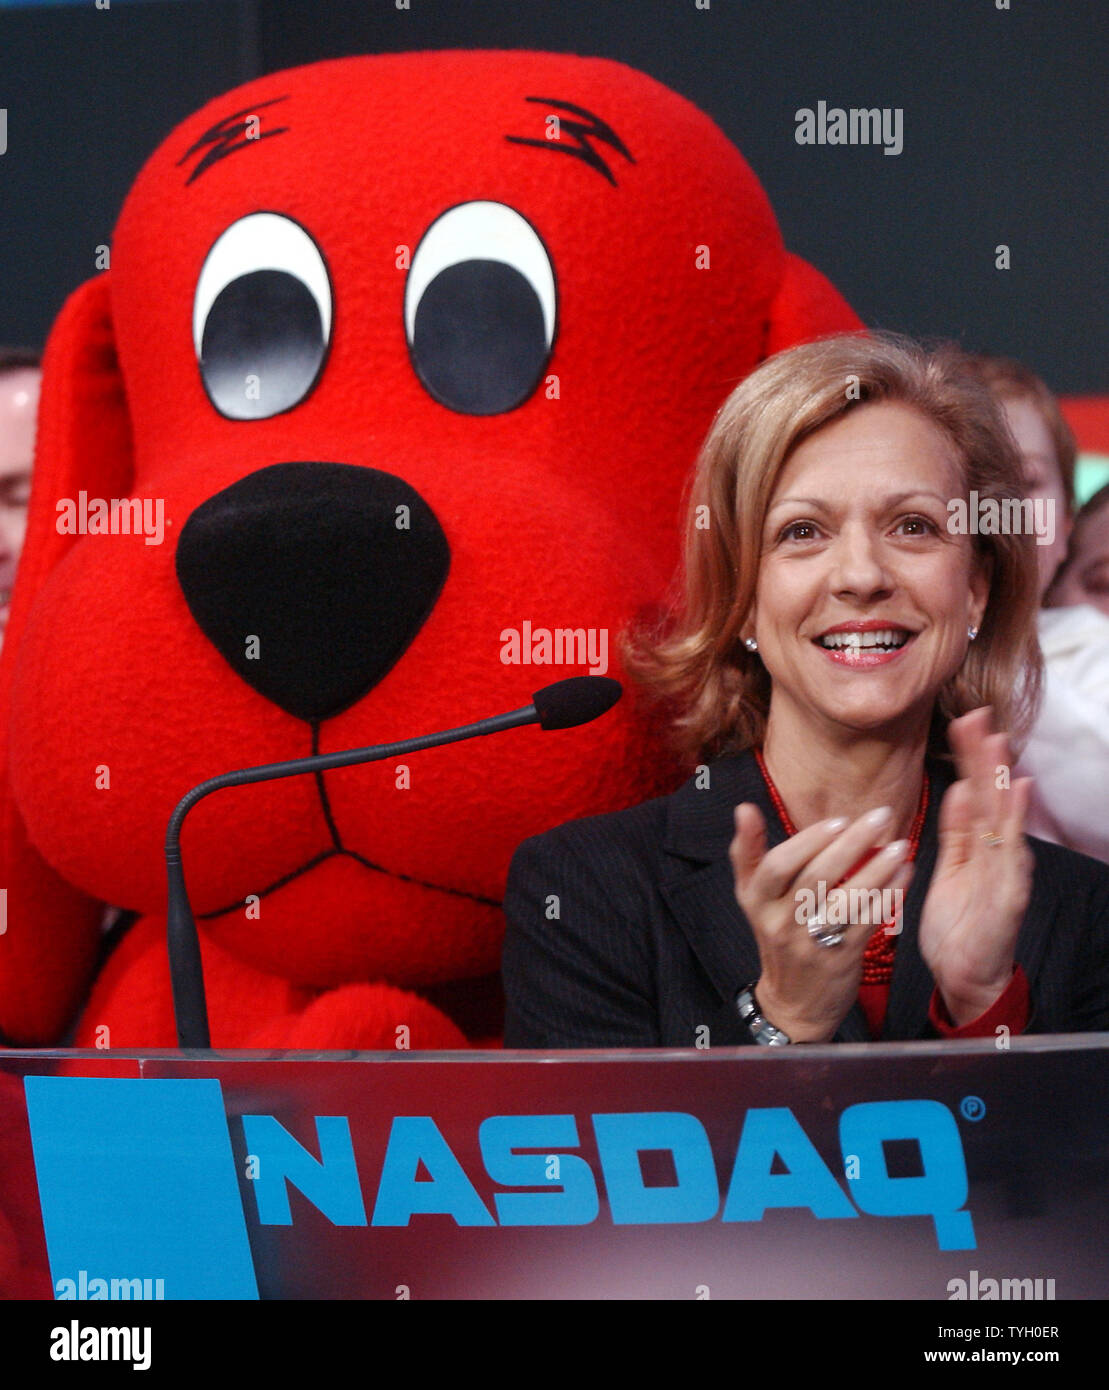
pixel 835 825
pixel 879 816
pixel 896 850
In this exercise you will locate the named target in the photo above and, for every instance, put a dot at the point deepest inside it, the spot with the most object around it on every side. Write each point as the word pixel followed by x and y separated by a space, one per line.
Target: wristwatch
pixel 762 1032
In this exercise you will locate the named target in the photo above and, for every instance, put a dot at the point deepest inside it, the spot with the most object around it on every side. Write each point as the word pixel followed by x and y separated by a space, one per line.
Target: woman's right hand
pixel 806 989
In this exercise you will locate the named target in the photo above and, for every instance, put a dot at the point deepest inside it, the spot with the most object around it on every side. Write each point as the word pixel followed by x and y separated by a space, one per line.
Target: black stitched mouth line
pixel 338 848
pixel 321 791
pixel 366 863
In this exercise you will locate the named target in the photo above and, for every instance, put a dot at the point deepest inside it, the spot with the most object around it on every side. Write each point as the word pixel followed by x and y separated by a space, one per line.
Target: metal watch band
pixel 761 1031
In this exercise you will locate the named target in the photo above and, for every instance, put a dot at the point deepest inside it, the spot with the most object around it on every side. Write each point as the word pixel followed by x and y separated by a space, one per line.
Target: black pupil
pixel 262 346
pixel 479 344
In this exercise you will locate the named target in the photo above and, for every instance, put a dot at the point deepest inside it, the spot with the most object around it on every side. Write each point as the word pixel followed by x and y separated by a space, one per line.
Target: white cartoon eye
pixel 261 317
pixel 480 308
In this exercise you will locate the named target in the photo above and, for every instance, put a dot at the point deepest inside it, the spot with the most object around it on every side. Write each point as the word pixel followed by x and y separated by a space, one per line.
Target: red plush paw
pixel 366 1018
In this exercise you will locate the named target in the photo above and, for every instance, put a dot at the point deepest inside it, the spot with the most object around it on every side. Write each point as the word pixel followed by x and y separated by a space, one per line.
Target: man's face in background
pixel 19 398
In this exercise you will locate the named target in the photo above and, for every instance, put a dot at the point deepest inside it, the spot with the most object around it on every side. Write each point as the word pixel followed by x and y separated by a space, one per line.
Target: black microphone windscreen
pixel 575 701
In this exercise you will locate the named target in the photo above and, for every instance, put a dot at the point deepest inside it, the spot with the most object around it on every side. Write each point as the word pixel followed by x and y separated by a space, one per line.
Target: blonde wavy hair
pixel 694 660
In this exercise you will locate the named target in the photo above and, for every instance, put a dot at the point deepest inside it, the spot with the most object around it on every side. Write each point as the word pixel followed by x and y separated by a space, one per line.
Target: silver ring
pixel 818 930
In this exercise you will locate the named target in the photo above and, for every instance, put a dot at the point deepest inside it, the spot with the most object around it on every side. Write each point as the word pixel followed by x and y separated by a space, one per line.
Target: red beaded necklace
pixel 878 956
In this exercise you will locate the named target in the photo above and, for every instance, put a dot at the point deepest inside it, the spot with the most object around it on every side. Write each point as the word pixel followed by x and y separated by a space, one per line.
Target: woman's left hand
pixel 983 876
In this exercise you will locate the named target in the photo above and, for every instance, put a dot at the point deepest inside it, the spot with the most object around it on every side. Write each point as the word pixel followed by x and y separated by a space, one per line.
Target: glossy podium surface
pixel 907 1171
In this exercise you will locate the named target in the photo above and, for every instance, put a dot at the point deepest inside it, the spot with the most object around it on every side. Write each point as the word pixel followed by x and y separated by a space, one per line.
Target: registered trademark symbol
pixel 972 1108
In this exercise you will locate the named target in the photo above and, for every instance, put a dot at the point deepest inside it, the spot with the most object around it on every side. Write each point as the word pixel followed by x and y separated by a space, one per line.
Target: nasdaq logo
pixel 546 1183
pixel 139 1177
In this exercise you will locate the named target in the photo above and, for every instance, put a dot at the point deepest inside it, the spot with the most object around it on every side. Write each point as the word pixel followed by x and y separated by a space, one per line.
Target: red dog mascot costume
pixel 396 376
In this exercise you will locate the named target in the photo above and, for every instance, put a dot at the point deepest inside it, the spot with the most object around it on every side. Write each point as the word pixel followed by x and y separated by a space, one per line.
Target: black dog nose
pixel 312 579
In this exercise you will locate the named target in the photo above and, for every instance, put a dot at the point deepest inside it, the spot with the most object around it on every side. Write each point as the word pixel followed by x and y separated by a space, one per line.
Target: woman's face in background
pixel 1042 479
pixel 864 594
pixel 1086 576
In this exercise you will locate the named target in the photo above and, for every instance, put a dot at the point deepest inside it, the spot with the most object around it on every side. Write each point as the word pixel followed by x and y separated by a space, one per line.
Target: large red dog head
pixel 399 368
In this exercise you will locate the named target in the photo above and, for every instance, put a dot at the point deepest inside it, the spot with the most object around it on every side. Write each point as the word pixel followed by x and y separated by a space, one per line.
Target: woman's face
pixel 1042 480
pixel 1085 579
pixel 864 595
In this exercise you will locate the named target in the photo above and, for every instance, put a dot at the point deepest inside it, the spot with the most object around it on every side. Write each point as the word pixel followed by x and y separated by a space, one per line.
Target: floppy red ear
pixel 807 306
pixel 49 939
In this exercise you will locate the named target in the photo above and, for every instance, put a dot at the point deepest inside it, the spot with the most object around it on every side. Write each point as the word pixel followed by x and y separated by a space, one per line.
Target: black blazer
pixel 649 945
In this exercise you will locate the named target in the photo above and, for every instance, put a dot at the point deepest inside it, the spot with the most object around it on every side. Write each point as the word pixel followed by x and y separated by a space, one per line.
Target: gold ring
pixel 994 840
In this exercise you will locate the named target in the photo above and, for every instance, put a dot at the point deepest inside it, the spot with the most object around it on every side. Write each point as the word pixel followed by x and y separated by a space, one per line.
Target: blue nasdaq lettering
pixel 534 1152
pixel 754 1189
pixel 401 1195
pixel 569 1200
pixel 330 1182
pixel 942 1187
pixel 621 1139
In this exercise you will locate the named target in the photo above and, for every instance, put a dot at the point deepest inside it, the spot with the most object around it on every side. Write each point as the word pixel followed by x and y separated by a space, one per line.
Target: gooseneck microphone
pixel 563 705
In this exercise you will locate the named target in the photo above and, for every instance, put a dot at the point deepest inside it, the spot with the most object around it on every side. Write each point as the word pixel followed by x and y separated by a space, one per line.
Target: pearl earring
pixel 750 644
pixel 972 633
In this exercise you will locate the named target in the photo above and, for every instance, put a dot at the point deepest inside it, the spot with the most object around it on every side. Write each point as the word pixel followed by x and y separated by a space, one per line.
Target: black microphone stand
pixel 190 1009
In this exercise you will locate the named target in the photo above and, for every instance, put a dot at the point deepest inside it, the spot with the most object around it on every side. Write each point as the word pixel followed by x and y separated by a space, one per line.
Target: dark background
pixel 1004 128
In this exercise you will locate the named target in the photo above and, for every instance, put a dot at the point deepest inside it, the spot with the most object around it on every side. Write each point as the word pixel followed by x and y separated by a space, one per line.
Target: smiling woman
pixel 876 425
pixel 836 658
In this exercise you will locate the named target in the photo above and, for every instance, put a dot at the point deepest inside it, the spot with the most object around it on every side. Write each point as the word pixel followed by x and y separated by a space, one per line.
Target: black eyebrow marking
pixel 221 137
pixel 595 130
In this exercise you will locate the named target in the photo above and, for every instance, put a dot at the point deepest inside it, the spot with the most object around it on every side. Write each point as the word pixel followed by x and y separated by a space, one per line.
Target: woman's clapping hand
pixel 982 881
pixel 806 989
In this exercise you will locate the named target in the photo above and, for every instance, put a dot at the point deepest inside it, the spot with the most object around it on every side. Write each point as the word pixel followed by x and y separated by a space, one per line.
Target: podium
pixel 948 1170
